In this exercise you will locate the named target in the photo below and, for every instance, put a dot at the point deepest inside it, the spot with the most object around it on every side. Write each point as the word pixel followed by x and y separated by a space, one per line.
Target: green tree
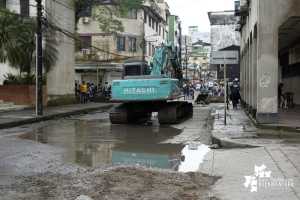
pixel 13 35
pixel 106 16
pixel 18 43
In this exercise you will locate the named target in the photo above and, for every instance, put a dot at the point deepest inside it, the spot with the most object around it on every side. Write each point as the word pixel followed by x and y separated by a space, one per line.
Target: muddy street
pixel 86 155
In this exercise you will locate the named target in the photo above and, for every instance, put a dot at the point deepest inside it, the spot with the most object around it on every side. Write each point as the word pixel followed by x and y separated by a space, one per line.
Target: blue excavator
pixel 150 88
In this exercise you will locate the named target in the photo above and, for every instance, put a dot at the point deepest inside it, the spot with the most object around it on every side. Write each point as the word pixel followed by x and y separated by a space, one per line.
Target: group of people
pixel 216 90
pixel 84 91
pixel 188 91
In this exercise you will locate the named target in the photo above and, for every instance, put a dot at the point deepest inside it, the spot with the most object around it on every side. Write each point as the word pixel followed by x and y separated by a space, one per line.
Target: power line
pixel 64 5
pixel 71 36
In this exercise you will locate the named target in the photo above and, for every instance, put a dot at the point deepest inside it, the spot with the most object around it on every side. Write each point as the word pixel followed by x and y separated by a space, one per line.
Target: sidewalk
pixel 27 116
pixel 256 172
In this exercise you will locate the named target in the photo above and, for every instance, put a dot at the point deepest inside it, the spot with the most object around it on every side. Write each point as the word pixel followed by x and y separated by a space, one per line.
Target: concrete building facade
pixel 223 32
pixel 175 34
pixel 186 48
pixel 198 35
pixel 60 80
pixel 109 51
pixel 270 44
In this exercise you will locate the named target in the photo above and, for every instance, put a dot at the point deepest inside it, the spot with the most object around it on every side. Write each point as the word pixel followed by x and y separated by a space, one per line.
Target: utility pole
pixel 39 60
pixel 143 42
pixel 185 61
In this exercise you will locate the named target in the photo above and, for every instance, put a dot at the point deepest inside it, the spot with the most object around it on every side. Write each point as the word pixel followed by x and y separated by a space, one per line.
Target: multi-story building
pixel 175 34
pixel 60 80
pixel 199 36
pixel 224 37
pixel 192 29
pixel 269 55
pixel 186 48
pixel 103 54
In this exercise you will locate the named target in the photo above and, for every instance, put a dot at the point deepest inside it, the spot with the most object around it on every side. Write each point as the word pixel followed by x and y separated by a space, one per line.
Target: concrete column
pixel 254 78
pixel 242 75
pixel 247 77
pixel 267 64
pixel 250 76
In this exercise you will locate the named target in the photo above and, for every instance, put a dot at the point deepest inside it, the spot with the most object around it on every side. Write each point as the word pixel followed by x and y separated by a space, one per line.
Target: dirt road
pixel 32 170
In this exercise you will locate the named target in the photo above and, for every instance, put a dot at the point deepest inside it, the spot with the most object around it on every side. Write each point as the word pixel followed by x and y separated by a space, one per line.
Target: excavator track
pixel 119 114
pixel 128 113
pixel 175 112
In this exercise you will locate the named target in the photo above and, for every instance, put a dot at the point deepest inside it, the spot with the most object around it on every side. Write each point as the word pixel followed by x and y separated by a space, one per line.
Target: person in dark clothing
pixel 280 85
pixel 185 92
pixel 235 93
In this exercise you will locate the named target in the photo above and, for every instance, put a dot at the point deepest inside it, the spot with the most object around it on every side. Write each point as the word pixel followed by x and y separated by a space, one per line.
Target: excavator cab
pixel 136 68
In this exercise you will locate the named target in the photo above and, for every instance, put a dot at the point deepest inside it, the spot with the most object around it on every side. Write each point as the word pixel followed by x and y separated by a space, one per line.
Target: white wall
pixel 60 80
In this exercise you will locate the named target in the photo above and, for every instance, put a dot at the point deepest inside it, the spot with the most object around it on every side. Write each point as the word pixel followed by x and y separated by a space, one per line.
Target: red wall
pixel 21 94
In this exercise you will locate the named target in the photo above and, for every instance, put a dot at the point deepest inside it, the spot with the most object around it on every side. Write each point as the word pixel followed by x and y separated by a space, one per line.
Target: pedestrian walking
pixel 203 89
pixel 235 93
pixel 280 85
pixel 106 89
pixel 88 92
pixel 191 91
pixel 216 90
pixel 83 90
pixel 222 90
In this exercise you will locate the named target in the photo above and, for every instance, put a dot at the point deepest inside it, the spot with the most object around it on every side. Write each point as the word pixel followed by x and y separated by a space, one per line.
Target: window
pixel 2 4
pixel 159 30
pixel 149 50
pixel 86 42
pixel 153 49
pixel 132 44
pixel 296 69
pixel 132 15
pixel 24 7
pixel 286 68
pixel 87 12
pixel 145 17
pixel 156 27
pixel 163 34
pixel 149 21
pixel 121 44
pixel 132 70
pixel 167 36
pixel 153 21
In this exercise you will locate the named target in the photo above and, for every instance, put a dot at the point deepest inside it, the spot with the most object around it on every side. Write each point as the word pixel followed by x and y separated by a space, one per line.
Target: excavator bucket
pixel 203 99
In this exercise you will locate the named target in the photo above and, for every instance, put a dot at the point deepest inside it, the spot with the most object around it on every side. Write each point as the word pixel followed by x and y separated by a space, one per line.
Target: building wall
pixel 4 67
pixel 223 32
pixel 203 36
pixel 134 28
pixel 223 36
pixel 260 72
pixel 60 80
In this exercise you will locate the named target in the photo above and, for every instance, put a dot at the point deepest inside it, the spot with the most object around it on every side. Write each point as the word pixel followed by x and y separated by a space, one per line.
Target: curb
pixel 50 117
pixel 227 143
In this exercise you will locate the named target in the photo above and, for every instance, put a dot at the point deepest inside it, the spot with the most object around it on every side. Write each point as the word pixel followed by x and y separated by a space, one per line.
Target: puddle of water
pixel 97 142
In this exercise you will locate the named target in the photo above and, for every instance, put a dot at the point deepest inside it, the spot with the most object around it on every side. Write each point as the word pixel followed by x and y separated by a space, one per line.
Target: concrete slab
pixel 293 155
pixel 234 164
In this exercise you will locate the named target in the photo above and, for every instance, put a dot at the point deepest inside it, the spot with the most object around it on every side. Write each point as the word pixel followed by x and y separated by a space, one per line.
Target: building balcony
pixel 155 6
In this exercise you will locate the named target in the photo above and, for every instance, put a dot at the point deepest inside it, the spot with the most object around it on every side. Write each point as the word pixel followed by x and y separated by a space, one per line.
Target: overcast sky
pixel 194 12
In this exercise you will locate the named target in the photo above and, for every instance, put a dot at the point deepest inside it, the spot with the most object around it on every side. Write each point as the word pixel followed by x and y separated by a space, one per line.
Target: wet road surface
pixel 91 140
